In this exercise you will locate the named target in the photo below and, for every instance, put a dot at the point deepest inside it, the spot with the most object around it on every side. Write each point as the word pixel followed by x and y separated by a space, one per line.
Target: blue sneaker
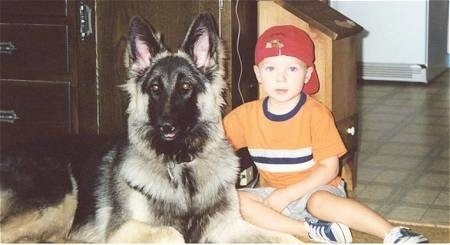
pixel 404 235
pixel 323 231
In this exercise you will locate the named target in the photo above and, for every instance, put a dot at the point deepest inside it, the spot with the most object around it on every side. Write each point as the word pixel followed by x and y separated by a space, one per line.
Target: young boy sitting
pixel 295 145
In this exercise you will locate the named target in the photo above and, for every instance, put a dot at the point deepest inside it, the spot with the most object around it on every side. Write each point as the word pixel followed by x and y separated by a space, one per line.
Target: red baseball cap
pixel 290 41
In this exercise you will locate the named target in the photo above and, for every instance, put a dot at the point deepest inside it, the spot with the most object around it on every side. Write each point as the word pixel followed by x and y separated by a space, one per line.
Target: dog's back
pixel 39 184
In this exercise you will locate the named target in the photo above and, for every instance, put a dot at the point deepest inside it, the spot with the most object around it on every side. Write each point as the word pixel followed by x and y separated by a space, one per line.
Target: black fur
pixel 173 87
pixel 188 181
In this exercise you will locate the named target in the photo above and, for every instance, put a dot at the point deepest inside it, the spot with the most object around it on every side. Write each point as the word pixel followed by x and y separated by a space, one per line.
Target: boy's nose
pixel 281 76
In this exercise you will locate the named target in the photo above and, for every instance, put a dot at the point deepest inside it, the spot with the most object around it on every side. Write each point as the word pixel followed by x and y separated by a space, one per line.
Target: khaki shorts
pixel 297 209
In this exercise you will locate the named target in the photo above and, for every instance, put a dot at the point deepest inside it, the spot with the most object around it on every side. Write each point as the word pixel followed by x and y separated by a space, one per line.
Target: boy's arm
pixel 326 171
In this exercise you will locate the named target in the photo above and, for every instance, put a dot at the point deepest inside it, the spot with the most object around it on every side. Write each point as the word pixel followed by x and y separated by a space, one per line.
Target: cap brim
pixel 313 85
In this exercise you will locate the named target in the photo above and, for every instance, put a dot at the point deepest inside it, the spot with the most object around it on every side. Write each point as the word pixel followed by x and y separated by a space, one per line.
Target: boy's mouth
pixel 281 91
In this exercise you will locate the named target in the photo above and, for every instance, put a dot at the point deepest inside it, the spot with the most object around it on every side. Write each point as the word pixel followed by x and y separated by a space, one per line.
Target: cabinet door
pixel 37 51
pixel 348 129
pixel 42 79
pixel 43 110
pixel 34 8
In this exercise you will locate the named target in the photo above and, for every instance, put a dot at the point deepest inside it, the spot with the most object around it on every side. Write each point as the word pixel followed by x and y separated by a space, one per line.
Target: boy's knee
pixel 317 200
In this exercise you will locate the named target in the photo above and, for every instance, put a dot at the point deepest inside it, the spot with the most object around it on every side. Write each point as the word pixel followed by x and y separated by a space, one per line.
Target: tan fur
pixel 50 225
pixel 138 232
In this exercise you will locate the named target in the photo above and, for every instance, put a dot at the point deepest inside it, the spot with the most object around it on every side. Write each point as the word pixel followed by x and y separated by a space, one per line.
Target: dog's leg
pixel 138 232
pixel 49 224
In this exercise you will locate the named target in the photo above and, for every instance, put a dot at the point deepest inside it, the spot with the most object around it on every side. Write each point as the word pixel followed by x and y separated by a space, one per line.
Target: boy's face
pixel 282 77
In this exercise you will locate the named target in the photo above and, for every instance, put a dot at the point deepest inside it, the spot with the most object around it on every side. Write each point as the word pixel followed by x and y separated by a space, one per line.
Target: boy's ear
pixel 309 72
pixel 257 73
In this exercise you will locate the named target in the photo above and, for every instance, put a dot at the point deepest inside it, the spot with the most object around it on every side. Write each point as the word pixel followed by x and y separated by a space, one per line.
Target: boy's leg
pixel 359 217
pixel 254 211
pixel 291 219
pixel 327 206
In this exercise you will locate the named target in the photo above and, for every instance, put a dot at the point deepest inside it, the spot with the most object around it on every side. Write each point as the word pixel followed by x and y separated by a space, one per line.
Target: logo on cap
pixel 274 44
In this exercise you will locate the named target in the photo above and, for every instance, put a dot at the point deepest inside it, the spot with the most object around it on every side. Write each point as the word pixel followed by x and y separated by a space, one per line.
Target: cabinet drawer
pixel 43 110
pixel 34 51
pixel 34 8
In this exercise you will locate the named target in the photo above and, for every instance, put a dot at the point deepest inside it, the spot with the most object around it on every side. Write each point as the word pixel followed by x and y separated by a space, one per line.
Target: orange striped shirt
pixel 285 148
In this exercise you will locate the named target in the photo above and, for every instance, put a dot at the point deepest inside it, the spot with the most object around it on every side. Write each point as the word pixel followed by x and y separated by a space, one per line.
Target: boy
pixel 296 147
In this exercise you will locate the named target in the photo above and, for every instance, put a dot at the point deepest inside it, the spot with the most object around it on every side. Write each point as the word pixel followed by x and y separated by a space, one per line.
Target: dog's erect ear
pixel 202 40
pixel 143 44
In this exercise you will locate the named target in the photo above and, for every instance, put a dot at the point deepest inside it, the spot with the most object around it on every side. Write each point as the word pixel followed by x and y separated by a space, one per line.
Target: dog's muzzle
pixel 168 131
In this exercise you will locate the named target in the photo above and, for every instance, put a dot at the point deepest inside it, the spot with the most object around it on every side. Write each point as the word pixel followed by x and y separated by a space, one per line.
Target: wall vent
pixel 393 72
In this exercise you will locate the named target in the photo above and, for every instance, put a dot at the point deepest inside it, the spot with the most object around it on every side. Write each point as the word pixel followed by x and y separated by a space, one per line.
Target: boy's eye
pixel 293 68
pixel 269 68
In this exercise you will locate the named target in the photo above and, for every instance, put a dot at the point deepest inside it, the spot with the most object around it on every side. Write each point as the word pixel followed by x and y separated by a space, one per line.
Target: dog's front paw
pixel 166 234
pixel 139 232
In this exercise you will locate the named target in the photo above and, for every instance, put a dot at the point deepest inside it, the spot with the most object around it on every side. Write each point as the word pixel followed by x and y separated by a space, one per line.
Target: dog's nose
pixel 167 128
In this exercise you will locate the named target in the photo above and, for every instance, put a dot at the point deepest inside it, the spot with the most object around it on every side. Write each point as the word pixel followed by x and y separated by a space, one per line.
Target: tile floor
pixel 403 164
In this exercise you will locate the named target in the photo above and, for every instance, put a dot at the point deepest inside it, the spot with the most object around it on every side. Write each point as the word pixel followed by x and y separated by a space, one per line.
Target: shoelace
pixel 319 231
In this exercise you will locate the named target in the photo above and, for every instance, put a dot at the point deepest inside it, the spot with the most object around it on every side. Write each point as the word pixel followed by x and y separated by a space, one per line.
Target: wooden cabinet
pixel 334 37
pixel 40 75
pixel 55 81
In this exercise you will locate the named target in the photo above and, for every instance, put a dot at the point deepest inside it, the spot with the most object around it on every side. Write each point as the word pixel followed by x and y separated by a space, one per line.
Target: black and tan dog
pixel 172 179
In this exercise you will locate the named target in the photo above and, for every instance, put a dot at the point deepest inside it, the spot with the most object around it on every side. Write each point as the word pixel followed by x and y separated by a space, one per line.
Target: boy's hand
pixel 278 200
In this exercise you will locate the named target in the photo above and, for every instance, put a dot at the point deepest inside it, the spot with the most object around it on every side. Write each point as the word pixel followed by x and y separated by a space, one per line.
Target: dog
pixel 170 179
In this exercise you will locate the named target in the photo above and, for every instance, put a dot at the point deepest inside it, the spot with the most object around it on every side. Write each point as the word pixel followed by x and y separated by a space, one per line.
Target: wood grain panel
pixel 242 37
pixel 344 77
pixel 87 81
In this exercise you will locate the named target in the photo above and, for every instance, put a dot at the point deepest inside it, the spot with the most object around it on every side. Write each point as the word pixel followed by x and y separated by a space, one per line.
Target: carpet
pixel 434 233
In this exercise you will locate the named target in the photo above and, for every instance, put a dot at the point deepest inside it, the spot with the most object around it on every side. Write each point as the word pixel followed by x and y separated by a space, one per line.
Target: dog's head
pixel 175 97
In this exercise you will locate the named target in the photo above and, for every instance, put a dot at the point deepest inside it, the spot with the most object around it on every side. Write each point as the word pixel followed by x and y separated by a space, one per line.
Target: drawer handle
pixel 351 131
pixel 7 47
pixel 85 20
pixel 8 116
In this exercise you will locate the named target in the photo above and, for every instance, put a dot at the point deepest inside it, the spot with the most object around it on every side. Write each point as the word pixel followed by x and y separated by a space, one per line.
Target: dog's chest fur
pixel 179 195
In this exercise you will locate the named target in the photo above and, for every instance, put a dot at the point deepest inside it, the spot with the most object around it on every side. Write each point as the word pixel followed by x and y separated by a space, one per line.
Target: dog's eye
pixel 154 87
pixel 186 86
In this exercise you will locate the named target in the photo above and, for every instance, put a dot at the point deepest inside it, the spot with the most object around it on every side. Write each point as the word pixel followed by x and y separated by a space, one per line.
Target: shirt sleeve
pixel 326 141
